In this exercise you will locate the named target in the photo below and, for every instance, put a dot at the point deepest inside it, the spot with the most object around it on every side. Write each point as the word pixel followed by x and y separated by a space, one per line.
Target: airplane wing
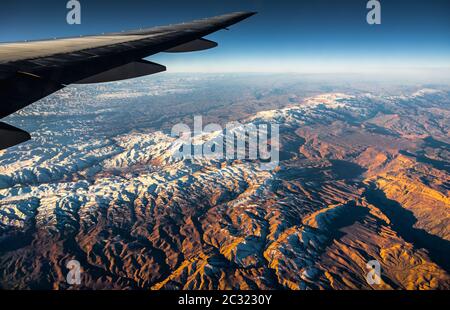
pixel 33 70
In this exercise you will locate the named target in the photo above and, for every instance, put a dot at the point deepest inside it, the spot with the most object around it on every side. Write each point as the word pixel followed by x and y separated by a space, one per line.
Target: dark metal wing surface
pixel 33 70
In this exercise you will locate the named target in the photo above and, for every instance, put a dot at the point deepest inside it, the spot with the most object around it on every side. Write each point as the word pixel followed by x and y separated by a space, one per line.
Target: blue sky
pixel 286 36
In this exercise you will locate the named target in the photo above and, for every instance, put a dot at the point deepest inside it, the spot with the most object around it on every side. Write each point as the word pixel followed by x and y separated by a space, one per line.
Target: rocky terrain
pixel 364 175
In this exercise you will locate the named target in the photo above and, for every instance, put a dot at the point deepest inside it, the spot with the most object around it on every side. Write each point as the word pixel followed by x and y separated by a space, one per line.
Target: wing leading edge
pixel 30 71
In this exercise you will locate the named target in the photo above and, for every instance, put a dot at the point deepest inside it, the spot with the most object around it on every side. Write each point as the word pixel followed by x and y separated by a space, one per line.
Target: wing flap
pixel 23 88
pixel 193 46
pixel 131 70
pixel 10 136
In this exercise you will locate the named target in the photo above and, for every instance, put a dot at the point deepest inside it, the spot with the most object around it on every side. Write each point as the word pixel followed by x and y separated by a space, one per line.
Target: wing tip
pixel 239 16
pixel 246 14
